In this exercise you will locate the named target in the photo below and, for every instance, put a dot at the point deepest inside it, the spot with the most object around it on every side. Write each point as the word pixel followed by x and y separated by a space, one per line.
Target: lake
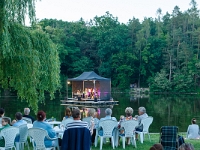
pixel 167 110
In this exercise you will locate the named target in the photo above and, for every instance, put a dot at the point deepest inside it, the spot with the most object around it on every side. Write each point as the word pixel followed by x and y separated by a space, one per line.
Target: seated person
pixel 142 115
pixel 68 113
pixel 77 123
pixel 18 121
pixel 40 123
pixel 193 130
pixel 93 123
pixel 5 124
pixel 26 114
pixel 108 113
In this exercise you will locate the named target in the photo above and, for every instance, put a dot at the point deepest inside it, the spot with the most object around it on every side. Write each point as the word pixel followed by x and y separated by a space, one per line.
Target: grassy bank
pixel 145 146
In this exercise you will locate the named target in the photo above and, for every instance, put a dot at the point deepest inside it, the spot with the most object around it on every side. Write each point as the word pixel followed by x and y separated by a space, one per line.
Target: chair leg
pixel 96 141
pixel 123 142
pixel 112 140
pixel 149 137
pixel 133 141
pixel 141 137
pixel 101 142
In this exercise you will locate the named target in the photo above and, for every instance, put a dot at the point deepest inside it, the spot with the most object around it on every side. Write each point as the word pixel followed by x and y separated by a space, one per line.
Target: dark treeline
pixel 161 53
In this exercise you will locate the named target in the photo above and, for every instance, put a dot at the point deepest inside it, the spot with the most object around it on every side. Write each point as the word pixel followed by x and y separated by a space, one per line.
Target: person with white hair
pixel 26 114
pixel 142 115
pixel 108 113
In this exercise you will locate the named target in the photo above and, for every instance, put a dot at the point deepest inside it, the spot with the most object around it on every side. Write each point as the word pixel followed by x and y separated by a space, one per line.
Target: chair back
pixel 38 136
pixel 129 127
pixel 9 135
pixel 23 132
pixel 87 119
pixel 28 120
pixel 169 137
pixel 66 121
pixel 146 123
pixel 108 126
pixel 76 139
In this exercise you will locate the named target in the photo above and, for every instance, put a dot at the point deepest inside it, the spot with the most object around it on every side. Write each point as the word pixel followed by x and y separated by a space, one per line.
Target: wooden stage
pixel 89 102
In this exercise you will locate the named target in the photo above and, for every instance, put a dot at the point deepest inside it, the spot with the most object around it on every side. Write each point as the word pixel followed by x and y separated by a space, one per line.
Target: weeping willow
pixel 29 61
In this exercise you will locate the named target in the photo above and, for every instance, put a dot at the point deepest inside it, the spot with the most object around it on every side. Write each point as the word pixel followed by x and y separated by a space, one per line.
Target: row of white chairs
pixel 36 135
pixel 108 126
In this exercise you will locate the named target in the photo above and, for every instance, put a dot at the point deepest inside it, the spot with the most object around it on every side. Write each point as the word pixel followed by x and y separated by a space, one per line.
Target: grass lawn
pixel 145 146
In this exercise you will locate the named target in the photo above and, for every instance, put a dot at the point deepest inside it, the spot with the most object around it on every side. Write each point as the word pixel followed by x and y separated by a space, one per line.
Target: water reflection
pixel 166 110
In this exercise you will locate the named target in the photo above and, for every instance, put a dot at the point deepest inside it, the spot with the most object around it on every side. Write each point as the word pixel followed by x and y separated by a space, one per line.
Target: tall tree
pixel 29 61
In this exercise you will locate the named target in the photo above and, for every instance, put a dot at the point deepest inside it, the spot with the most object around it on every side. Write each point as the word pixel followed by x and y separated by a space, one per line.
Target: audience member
pixel 129 113
pixel 186 146
pixel 157 147
pixel 92 113
pixel 108 113
pixel 68 113
pixel 18 121
pixel 26 114
pixel 77 123
pixel 193 130
pixel 5 124
pixel 142 115
pixel 40 123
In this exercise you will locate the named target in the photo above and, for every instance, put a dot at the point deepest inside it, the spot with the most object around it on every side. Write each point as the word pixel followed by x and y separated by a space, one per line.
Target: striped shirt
pixel 77 124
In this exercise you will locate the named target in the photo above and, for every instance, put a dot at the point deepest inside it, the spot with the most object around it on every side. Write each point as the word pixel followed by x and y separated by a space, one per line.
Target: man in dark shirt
pixel 26 114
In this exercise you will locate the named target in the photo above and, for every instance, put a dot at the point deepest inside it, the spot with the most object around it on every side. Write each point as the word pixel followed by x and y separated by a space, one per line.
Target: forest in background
pixel 161 53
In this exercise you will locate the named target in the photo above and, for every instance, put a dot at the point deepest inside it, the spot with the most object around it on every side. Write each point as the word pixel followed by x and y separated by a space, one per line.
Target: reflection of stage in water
pixel 88 102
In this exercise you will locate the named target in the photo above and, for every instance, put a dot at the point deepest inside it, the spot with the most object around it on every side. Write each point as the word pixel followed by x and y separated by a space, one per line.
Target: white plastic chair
pixel 38 135
pixel 108 127
pixel 23 132
pixel 9 135
pixel 28 120
pixel 146 123
pixel 87 119
pixel 66 121
pixel 129 128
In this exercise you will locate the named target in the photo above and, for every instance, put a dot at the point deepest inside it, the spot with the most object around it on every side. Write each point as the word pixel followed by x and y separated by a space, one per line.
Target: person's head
pixel 186 146
pixel 91 112
pixel 76 114
pixel 41 115
pixel 5 121
pixel 129 111
pixel 193 121
pixel 68 112
pixel 108 112
pixel 141 110
pixel 121 117
pixel 156 147
pixel 18 116
pixel 2 112
pixel 26 111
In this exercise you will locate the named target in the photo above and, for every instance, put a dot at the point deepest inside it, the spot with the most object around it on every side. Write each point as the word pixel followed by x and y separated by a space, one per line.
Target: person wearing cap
pixel 193 130
pixel 142 115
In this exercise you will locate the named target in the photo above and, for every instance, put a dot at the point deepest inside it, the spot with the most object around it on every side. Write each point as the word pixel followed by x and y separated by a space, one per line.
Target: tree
pixel 28 58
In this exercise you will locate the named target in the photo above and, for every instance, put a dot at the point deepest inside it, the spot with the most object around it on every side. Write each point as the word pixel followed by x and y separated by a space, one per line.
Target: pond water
pixel 167 110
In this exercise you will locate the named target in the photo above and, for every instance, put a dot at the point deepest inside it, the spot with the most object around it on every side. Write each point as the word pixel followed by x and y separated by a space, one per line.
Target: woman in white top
pixel 193 130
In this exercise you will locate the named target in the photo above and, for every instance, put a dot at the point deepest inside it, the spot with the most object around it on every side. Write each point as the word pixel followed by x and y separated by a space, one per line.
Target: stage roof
pixel 88 76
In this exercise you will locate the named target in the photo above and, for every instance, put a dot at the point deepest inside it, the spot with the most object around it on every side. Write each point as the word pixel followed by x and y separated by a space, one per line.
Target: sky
pixel 73 10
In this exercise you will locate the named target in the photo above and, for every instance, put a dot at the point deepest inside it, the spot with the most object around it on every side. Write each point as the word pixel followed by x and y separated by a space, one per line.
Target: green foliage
pixel 163 52
pixel 28 58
